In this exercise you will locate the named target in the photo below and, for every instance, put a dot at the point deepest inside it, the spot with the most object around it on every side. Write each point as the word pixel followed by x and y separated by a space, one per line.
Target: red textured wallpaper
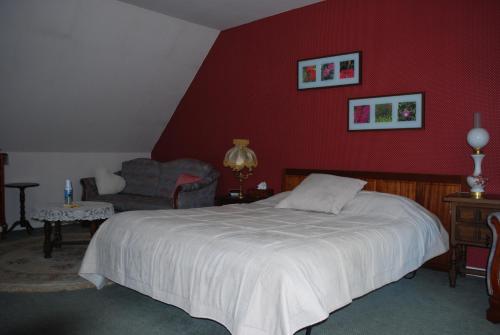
pixel 246 88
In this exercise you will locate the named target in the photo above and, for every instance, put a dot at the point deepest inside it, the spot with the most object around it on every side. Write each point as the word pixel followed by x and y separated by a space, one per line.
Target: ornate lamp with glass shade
pixel 477 138
pixel 238 158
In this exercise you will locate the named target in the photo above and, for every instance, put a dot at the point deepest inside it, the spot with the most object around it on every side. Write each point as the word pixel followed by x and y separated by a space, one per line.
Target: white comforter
pixel 259 270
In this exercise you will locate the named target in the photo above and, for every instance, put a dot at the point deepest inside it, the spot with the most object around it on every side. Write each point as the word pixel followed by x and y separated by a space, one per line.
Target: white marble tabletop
pixel 80 210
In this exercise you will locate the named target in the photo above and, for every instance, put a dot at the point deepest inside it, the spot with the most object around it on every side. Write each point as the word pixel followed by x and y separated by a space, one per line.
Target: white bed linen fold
pixel 259 270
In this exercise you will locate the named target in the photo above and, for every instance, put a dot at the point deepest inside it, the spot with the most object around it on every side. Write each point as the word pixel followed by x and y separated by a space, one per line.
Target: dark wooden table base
pixel 50 243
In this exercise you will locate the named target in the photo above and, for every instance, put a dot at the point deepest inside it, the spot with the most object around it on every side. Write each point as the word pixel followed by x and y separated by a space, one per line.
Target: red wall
pixel 246 88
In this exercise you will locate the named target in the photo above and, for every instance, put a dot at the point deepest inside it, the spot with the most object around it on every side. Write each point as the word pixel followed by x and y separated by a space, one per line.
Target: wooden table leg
pixel 4 229
pixel 22 200
pixel 493 273
pixel 94 225
pixel 463 260
pixel 47 243
pixel 453 266
pixel 57 235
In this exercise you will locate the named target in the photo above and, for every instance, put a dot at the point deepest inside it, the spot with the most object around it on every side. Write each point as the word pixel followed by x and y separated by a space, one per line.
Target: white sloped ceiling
pixel 221 14
pixel 105 75
pixel 92 75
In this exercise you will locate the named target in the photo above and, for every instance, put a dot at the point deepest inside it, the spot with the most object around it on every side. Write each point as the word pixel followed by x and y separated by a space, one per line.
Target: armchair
pixel 152 185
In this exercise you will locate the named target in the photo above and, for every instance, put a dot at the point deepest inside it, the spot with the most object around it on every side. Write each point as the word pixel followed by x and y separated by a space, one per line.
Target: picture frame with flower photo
pixel 335 70
pixel 402 111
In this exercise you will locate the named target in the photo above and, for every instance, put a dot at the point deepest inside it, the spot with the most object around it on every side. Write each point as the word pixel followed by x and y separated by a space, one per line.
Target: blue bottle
pixel 68 193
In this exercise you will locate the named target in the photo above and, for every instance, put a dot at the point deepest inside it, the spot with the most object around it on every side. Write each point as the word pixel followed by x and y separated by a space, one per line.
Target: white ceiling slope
pixel 92 75
pixel 105 75
pixel 221 14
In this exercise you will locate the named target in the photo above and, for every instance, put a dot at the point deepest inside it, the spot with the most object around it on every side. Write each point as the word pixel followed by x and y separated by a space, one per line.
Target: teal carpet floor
pixel 423 305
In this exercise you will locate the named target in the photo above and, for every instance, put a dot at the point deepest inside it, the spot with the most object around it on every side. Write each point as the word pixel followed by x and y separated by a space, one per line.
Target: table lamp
pixel 477 138
pixel 238 158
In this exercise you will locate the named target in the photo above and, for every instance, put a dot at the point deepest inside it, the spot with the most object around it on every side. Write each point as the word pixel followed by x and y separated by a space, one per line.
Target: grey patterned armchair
pixel 152 185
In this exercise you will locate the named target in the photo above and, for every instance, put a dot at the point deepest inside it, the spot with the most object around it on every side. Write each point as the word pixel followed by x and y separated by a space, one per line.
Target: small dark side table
pixel 251 195
pixel 22 220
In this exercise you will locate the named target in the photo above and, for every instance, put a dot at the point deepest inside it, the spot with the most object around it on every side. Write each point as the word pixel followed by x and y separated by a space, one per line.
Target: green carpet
pixel 423 305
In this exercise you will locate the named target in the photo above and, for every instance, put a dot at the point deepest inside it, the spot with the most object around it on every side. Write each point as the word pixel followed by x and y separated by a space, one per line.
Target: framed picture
pixel 403 111
pixel 335 70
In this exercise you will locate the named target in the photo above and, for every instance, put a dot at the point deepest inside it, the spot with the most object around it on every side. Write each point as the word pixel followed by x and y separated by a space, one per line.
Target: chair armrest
pixel 493 272
pixel 212 177
pixel 89 188
pixel 199 194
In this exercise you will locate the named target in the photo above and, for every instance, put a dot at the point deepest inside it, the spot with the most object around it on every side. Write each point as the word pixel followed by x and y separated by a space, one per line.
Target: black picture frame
pixel 329 71
pixel 407 111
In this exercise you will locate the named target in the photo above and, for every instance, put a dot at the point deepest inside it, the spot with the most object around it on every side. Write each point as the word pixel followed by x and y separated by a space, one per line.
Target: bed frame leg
pixel 308 330
pixel 411 275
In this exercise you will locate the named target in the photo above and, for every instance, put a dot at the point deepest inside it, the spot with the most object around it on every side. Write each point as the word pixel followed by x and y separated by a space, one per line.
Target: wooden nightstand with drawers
pixel 468 227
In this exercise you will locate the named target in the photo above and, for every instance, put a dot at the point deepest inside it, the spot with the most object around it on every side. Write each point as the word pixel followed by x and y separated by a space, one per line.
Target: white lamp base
pixel 477 182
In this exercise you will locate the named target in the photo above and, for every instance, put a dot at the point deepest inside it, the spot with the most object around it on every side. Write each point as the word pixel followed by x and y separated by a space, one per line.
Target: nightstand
pixel 468 228
pixel 250 196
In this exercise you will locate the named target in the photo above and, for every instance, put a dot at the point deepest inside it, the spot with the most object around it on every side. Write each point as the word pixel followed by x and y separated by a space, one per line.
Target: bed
pixel 261 270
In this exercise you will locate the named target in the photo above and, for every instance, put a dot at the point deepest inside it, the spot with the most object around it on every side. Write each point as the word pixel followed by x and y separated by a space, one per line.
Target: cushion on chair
pixel 108 182
pixel 142 176
pixel 167 179
pixel 131 202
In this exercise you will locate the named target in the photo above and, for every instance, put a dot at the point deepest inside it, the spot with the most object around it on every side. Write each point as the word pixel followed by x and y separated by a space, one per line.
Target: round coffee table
pixel 56 213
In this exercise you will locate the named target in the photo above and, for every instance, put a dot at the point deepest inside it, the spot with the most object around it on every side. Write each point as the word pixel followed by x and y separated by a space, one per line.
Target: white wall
pixel 50 170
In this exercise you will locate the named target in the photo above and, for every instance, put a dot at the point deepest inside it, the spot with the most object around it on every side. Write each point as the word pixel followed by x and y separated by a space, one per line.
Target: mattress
pixel 260 270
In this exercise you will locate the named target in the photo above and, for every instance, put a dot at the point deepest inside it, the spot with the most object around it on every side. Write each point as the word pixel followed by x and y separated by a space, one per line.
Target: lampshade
pixel 240 156
pixel 478 138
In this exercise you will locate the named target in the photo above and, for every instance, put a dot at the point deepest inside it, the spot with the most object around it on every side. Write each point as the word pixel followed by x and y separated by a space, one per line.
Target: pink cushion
pixel 185 178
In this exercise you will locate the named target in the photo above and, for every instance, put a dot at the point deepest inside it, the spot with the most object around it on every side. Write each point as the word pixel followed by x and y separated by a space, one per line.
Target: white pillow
pixel 274 199
pixel 108 182
pixel 377 203
pixel 322 193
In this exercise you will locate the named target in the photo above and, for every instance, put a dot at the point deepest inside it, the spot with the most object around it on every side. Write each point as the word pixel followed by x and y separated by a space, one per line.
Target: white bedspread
pixel 259 270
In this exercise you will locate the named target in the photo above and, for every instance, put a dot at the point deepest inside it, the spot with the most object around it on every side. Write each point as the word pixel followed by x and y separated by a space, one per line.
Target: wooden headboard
pixel 426 189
